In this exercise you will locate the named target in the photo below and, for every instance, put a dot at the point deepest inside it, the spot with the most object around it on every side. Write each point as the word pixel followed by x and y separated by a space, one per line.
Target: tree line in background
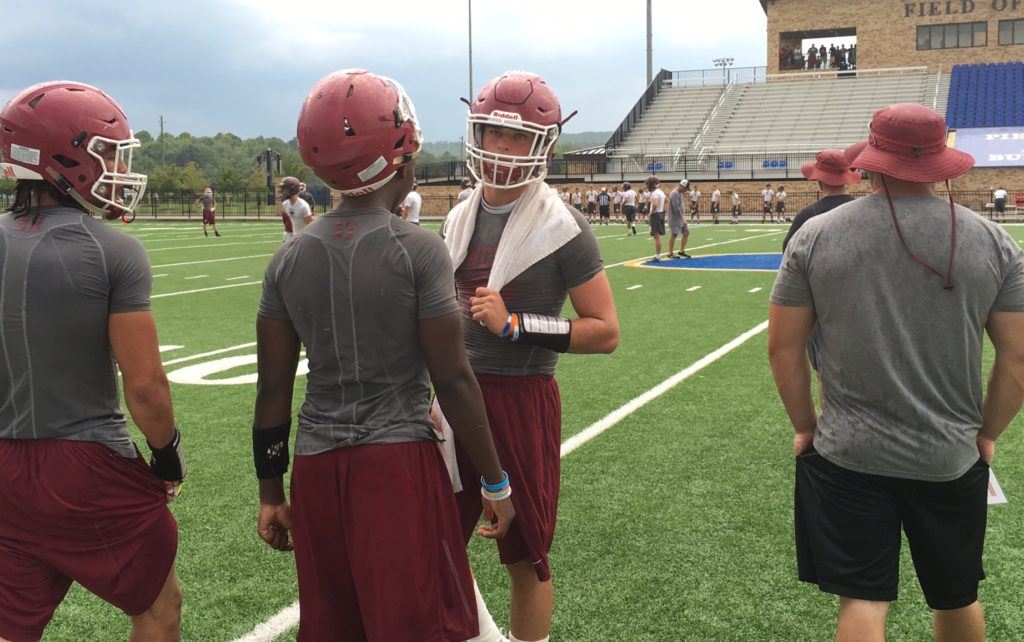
pixel 228 163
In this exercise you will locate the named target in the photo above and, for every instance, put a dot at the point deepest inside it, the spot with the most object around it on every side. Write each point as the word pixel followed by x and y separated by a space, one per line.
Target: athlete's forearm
pixel 462 404
pixel 1004 397
pixel 792 374
pixel 594 336
pixel 149 403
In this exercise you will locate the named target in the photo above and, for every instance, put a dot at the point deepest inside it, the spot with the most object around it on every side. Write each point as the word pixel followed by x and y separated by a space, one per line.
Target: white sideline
pixel 219 287
pixel 288 617
pixel 699 247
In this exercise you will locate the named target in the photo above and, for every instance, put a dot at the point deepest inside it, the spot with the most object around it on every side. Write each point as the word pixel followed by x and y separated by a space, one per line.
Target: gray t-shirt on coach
pixel 900 356
pixel 676 212
pixel 61 276
pixel 355 287
pixel 542 289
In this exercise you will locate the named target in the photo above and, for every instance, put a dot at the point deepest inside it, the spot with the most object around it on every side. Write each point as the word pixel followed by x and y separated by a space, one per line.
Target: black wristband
pixel 553 333
pixel 168 463
pixel 270 450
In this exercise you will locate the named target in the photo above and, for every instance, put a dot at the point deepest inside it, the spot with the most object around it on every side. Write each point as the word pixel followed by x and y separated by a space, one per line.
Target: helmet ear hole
pixel 65 161
pixel 401 141
pixel 348 128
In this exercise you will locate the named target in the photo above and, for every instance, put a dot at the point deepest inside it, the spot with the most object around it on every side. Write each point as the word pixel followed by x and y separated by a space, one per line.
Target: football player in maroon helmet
pixel 518 252
pixel 372 297
pixel 78 503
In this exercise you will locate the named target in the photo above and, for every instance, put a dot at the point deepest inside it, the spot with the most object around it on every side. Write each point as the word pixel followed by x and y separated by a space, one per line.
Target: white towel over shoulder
pixel 539 224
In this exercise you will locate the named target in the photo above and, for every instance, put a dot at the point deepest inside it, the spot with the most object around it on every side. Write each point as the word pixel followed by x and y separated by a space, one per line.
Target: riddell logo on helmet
pixel 507 115
pixel 8 171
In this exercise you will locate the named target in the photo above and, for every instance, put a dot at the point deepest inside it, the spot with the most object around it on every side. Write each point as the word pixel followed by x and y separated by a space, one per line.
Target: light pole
pixel 470 4
pixel 724 63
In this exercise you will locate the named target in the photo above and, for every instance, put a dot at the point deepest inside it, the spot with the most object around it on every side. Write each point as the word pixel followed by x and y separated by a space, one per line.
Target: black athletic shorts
pixel 591 208
pixel 604 211
pixel 714 207
pixel 1000 205
pixel 780 208
pixel 767 207
pixel 658 223
pixel 630 212
pixel 848 532
pixel 616 208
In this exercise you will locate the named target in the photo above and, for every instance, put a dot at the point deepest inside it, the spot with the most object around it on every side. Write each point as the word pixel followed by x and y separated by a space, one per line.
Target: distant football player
pixel 292 207
pixel 657 217
pixel 780 205
pixel 411 206
pixel 518 252
pixel 377 541
pixel 78 503
pixel 629 207
pixel 767 198
pixel 209 210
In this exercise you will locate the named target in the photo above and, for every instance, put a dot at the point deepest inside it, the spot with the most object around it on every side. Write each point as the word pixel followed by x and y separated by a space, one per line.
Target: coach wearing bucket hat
pixel 833 174
pixel 902 284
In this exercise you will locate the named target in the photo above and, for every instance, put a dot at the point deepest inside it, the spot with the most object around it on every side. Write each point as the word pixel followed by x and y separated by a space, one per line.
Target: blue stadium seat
pixel 986 95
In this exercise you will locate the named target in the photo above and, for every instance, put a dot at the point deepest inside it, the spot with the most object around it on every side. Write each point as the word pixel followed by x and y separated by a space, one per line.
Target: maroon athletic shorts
pixel 378 548
pixel 209 217
pixel 78 511
pixel 525 414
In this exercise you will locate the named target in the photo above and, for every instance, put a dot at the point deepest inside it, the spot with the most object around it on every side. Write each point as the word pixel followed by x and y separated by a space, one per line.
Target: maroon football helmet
pixel 520 101
pixel 77 139
pixel 356 129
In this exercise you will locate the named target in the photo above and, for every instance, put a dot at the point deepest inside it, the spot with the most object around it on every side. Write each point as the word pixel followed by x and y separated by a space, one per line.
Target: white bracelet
pixel 504 493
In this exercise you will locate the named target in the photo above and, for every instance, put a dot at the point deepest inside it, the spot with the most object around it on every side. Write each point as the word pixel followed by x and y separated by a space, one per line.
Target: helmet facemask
pixel 118 189
pixel 503 171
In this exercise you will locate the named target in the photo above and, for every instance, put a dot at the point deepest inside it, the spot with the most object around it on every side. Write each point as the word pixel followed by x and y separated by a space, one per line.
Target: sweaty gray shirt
pixel 355 287
pixel 900 356
pixel 61 276
pixel 542 289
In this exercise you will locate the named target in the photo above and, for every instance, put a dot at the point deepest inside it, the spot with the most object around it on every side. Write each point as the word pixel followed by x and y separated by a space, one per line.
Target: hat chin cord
pixel 948 276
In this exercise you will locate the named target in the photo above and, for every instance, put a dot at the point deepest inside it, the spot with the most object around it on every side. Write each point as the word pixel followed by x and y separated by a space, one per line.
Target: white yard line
pixel 699 247
pixel 753 290
pixel 212 245
pixel 634 287
pixel 237 278
pixel 209 354
pixel 693 289
pixel 233 258
pixel 156 276
pixel 219 287
pixel 192 238
pixel 198 276
pixel 287 618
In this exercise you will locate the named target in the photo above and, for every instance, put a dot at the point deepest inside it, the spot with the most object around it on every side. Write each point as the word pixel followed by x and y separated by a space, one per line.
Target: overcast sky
pixel 244 66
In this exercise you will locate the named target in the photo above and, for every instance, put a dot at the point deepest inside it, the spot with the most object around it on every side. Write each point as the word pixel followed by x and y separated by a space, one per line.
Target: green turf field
pixel 675 523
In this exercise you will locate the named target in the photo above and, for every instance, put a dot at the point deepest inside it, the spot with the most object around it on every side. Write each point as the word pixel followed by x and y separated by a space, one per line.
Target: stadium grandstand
pixel 743 126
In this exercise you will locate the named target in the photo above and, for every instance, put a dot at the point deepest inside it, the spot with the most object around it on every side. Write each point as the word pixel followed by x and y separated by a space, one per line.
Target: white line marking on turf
pixel 211 245
pixel 233 258
pixel 699 247
pixel 157 276
pixel 288 617
pixel 219 287
pixel 275 626
pixel 198 276
pixel 169 348
pixel 614 417
pixel 753 290
pixel 693 289
pixel 236 278
pixel 634 287
pixel 209 354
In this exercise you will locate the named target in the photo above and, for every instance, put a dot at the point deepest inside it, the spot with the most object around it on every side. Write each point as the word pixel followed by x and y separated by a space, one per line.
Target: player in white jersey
pixel 629 207
pixel 292 207
pixel 767 197
pixel 737 207
pixel 411 206
pixel 716 203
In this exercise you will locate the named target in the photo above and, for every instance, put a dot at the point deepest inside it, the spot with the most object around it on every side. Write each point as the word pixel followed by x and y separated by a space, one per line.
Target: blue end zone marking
pixel 722 262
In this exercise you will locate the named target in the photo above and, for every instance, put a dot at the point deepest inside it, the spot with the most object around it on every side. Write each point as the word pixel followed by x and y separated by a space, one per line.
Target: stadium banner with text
pixel 991 146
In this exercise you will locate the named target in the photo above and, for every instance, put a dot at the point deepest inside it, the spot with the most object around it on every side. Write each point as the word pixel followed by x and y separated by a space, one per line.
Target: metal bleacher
pixel 783 113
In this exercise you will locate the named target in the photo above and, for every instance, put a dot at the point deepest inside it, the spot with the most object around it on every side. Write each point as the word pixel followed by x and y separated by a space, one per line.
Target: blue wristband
pixel 494 488
pixel 508 324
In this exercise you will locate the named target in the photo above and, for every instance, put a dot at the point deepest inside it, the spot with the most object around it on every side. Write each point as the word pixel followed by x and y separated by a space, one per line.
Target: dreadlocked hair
pixel 26 198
